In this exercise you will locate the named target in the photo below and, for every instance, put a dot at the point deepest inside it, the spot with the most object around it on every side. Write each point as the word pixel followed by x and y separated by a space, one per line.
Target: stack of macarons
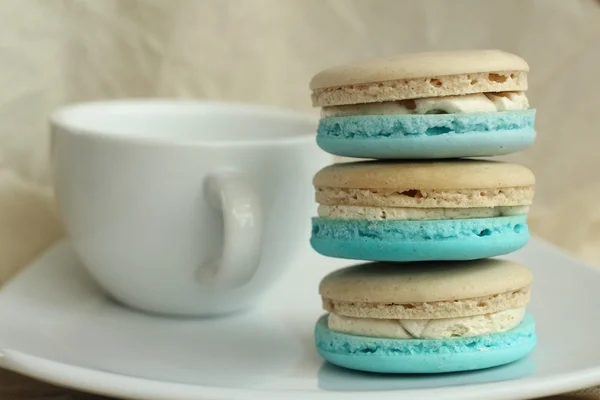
pixel 425 216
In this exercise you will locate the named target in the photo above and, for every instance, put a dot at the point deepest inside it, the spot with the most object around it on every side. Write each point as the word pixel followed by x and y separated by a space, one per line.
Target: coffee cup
pixel 183 207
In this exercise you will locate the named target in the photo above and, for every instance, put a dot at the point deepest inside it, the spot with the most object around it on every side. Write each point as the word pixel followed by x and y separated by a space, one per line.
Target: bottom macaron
pixel 383 355
pixel 457 239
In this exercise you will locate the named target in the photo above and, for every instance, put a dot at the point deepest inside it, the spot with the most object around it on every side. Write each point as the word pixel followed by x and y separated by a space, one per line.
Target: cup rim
pixel 63 118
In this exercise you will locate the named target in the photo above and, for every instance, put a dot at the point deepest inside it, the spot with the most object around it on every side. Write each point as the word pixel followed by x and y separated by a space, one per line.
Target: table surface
pixel 18 387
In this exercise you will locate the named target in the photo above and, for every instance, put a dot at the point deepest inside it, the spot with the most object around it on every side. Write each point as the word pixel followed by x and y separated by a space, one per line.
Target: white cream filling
pixel 428 328
pixel 402 213
pixel 469 103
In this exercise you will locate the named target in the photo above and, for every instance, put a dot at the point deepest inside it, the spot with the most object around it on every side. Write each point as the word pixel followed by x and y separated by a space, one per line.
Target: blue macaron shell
pixel 380 355
pixel 403 240
pixel 427 136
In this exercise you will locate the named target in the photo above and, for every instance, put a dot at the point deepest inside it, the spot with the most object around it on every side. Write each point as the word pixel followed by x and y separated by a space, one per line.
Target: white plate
pixel 57 326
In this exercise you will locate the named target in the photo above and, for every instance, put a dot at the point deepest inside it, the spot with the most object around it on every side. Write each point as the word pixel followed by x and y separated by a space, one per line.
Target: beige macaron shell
pixel 424 282
pixel 419 65
pixel 440 175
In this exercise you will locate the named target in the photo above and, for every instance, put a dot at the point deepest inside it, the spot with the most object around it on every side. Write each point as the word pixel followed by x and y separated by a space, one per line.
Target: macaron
pixel 458 209
pixel 425 105
pixel 426 317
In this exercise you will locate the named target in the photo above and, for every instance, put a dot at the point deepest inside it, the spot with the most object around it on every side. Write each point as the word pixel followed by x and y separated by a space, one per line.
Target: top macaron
pixel 425 105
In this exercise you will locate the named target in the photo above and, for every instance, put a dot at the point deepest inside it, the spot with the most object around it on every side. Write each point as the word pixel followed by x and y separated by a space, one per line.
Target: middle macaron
pixel 419 211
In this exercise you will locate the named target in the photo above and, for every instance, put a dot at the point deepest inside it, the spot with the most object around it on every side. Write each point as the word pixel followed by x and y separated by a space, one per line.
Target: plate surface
pixel 57 326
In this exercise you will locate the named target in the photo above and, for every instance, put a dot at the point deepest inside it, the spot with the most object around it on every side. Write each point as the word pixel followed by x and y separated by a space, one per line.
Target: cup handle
pixel 239 202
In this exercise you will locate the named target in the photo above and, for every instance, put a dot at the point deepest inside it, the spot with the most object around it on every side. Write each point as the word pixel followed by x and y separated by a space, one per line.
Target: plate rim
pixel 105 383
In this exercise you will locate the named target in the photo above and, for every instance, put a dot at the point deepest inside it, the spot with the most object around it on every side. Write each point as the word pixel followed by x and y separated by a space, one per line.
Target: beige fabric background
pixel 61 51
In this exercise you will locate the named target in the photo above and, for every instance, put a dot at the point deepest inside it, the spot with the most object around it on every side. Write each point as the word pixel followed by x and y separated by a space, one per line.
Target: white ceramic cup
pixel 184 207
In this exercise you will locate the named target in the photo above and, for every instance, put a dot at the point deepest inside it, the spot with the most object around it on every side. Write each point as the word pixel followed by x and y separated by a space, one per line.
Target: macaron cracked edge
pixel 411 318
pixel 426 105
